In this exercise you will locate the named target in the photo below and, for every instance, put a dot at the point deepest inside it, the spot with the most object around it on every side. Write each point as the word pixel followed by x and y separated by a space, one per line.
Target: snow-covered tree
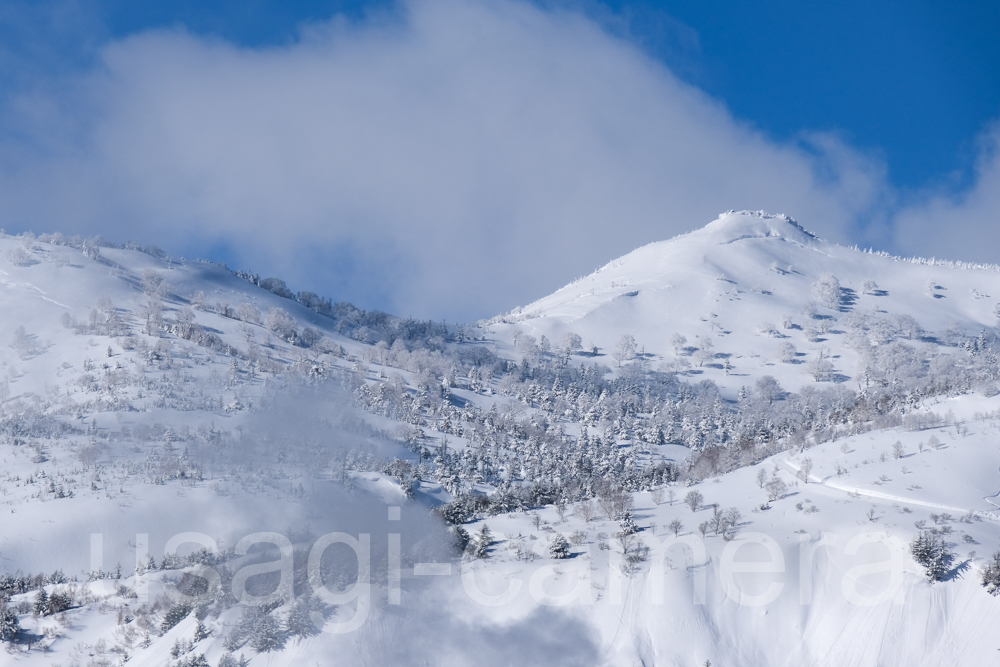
pixel 174 615
pixel 705 352
pixel 827 291
pixel 571 343
pixel 229 660
pixel 929 549
pixel 989 576
pixel 559 547
pixel 625 349
pixel 299 622
pixel 678 342
pixel 10 626
pixel 267 635
pixel 694 499
pixel 41 605
pixel 59 602
pixel 484 540
pixel 281 324
pixel 627 523
pixel 200 631
pixel 776 489
pixel 248 312
pixel 819 367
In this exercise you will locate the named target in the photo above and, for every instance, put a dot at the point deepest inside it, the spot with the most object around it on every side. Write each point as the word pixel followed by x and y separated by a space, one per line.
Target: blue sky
pixel 877 123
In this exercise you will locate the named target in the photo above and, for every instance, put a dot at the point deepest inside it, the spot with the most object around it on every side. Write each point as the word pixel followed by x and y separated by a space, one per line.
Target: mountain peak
pixel 734 226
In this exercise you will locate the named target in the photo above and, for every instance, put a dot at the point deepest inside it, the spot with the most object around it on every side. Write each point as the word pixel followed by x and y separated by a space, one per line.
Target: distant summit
pixel 738 225
pixel 762 289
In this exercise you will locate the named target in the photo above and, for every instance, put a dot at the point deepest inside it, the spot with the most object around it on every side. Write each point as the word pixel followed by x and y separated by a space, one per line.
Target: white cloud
pixel 961 225
pixel 453 159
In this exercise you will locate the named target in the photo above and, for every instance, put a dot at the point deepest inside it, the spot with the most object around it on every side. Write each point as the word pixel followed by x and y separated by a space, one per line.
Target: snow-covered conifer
pixel 267 635
pixel 10 626
pixel 559 548
pixel 41 606
pixel 484 539
pixel 929 549
pixel 627 523
pixel 174 615
pixel 299 621
pixel 989 577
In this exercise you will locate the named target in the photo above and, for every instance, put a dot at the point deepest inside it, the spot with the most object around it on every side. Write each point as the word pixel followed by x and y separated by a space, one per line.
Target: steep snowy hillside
pixel 744 445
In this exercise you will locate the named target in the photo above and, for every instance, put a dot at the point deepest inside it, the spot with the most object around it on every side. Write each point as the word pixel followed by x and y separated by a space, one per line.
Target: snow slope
pixel 162 432
pixel 744 270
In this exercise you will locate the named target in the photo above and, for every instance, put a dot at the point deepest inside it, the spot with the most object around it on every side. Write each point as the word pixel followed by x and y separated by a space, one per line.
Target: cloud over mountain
pixel 510 145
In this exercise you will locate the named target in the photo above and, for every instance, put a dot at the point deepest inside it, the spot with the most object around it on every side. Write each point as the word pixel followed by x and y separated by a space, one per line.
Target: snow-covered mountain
pixel 751 284
pixel 745 392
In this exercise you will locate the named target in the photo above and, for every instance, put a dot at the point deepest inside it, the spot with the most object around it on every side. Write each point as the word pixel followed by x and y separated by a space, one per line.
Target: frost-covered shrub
pixel 19 256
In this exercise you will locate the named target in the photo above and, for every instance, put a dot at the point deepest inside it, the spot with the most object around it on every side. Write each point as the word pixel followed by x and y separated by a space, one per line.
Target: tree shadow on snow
pixel 958 572
pixel 848 298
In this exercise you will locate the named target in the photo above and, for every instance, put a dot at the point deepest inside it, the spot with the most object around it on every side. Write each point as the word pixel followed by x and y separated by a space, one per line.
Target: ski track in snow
pixel 829 483
pixel 63 305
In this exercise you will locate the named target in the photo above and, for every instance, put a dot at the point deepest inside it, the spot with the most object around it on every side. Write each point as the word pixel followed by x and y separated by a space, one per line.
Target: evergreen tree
pixel 462 538
pixel 299 621
pixel 41 607
pixel 627 524
pixel 484 539
pixel 559 547
pixel 929 549
pixel 990 576
pixel 174 615
pixel 267 635
pixel 9 624
pixel 59 602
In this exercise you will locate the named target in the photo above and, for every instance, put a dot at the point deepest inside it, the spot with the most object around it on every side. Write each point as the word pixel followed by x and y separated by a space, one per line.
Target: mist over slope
pixel 581 481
